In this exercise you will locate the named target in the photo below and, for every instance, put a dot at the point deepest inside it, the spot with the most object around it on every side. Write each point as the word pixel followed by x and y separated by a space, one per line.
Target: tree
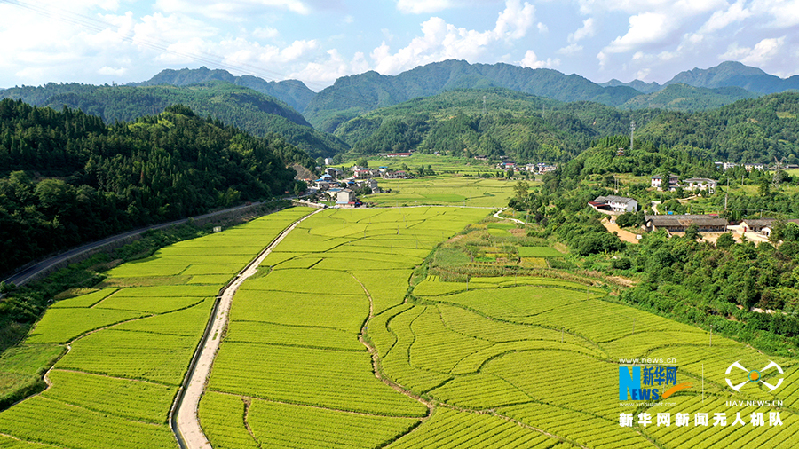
pixel 362 162
pixel 692 233
pixel 725 241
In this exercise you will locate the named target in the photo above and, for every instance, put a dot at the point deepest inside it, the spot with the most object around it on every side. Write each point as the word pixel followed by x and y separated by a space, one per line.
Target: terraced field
pixel 329 346
pixel 291 359
pixel 130 343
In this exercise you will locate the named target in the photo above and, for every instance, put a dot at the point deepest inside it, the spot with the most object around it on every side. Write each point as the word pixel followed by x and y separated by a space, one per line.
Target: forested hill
pixel 685 98
pixel 68 178
pixel 352 95
pixel 239 106
pixel 529 128
pixel 755 130
pixel 294 93
pixel 726 74
pixel 493 122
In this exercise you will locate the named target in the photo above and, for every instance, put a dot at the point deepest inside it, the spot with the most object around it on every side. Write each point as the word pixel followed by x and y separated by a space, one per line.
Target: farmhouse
pixel 614 203
pixel 701 184
pixel 763 225
pixel 681 223
pixel 345 197
pixel 657 181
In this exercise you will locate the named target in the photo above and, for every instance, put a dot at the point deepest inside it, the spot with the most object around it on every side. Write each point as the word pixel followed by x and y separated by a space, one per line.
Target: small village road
pixel 188 424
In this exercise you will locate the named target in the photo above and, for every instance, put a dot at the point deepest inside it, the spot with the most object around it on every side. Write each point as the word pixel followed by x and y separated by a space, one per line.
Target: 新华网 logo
pixel 754 376
pixel 648 383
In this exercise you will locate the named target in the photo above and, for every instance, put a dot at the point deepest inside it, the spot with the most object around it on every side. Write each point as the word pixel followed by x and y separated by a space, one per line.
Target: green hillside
pixel 67 178
pixel 295 93
pixel 685 98
pixel 753 130
pixel 238 106
pixel 352 95
pixel 515 124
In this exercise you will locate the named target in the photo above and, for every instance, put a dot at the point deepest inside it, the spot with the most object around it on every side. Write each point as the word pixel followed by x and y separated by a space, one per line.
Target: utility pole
pixel 726 194
pixel 775 181
pixel 632 134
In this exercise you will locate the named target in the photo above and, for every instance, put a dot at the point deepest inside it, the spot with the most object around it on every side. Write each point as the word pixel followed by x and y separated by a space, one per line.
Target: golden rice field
pixel 329 345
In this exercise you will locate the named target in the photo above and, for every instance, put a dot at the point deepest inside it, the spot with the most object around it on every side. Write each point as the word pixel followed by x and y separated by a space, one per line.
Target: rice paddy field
pixel 443 190
pixel 123 349
pixel 341 340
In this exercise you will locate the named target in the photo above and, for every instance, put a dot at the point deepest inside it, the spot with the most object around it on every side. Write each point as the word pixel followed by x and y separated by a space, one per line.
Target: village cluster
pixel 710 223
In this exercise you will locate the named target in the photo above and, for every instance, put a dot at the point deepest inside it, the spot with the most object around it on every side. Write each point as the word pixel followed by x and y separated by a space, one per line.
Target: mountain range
pixel 335 119
pixel 726 74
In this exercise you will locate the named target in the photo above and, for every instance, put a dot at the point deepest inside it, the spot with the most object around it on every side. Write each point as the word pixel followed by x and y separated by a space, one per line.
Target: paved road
pixel 24 276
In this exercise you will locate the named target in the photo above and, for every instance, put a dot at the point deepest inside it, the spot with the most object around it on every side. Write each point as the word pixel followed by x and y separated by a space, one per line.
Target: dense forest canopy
pixel 234 105
pixel 67 178
pixel 499 122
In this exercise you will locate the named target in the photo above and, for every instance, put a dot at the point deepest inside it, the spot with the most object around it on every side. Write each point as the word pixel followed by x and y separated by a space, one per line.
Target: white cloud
pixel 763 52
pixel 232 10
pixel 784 13
pixel 542 28
pixel 297 49
pixel 722 19
pixel 422 6
pixel 571 49
pixel 531 61
pixel 645 28
pixel 265 33
pixel 515 20
pixel 325 72
pixel 441 40
pixel 113 71
pixel 587 30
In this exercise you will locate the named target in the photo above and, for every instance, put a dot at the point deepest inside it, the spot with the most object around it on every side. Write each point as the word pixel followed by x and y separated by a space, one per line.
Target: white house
pixel 615 203
pixel 345 196
pixel 657 181
pixel 701 184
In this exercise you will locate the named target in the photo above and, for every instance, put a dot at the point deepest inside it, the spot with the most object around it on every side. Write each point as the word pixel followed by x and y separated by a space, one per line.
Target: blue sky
pixel 317 41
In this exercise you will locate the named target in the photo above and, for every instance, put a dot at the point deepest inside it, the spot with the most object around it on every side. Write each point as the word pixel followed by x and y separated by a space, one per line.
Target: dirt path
pixel 515 220
pixel 625 236
pixel 376 359
pixel 187 422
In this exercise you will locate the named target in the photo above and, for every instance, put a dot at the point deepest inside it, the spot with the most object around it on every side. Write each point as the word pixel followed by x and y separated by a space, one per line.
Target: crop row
pixel 83 301
pixel 521 304
pixel 63 325
pixel 93 410
pixel 270 333
pixel 335 379
pixel 396 363
pixel 582 428
pixel 449 428
pixel 222 420
pixel 345 312
pixel 141 401
pixel 133 355
pixel 48 421
pixel 285 425
pixel 437 348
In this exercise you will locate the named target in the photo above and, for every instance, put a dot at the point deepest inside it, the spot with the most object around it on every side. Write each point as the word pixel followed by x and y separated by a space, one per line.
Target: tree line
pixel 67 178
